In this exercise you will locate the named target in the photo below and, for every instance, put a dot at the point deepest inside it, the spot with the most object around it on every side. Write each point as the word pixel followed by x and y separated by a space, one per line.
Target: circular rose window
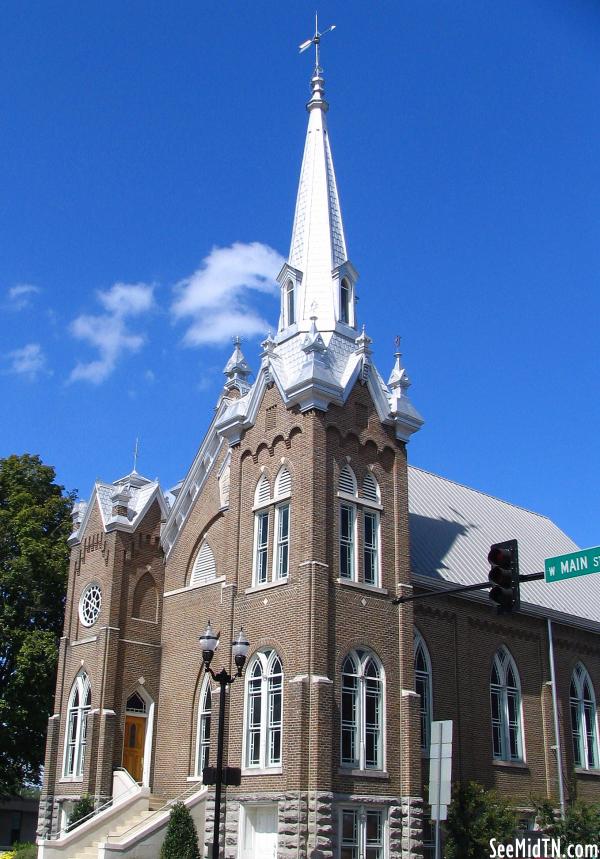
pixel 90 604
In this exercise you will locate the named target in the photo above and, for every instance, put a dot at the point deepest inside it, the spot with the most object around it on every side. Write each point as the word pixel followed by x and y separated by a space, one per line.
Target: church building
pixel 299 522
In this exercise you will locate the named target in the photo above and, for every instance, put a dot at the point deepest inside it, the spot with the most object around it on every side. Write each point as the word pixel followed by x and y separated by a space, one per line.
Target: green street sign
pixel 575 564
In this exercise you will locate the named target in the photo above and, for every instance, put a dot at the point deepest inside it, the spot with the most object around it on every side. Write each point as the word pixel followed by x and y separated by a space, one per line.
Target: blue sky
pixel 149 160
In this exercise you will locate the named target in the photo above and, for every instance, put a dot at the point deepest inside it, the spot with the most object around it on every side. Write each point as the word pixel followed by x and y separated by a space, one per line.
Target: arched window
pixel 203 729
pixel 583 719
pixel 80 701
pixel 371 532
pixel 347 486
pixel 505 695
pixel 423 687
pixel 290 303
pixel 273 512
pixel 262 493
pixel 370 489
pixel 264 710
pixel 345 302
pixel 204 568
pixel 359 520
pixel 347 481
pixel 362 711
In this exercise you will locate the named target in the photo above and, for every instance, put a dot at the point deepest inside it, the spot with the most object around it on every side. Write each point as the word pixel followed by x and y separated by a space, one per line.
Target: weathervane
pixel 135 454
pixel 316 39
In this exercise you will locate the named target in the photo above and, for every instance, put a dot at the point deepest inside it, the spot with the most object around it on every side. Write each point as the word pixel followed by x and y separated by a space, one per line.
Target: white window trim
pixel 377 582
pixel 257 517
pixel 275 577
pixel 358 499
pixel 419 641
pixel 288 292
pixel 197 775
pixel 362 809
pixel 582 733
pixel 263 767
pixel 362 728
pixel 504 711
pixel 80 684
pixel 354 556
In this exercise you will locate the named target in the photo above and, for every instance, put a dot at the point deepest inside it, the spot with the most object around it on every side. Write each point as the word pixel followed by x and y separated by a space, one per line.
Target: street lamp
pixel 239 647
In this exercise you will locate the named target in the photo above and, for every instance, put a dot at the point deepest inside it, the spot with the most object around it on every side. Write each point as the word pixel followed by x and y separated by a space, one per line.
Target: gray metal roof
pixel 453 526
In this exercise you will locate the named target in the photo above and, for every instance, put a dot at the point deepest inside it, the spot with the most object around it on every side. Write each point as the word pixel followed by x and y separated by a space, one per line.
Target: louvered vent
pixel 347 481
pixel 263 491
pixel 283 485
pixel 370 488
pixel 204 566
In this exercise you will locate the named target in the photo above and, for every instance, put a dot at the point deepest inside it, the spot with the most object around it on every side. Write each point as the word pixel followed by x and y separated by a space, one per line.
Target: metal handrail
pixel 67 829
pixel 189 791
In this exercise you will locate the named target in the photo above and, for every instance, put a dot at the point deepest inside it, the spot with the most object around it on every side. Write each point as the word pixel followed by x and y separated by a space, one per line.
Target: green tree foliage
pixel 475 816
pixel 181 840
pixel 82 808
pixel 580 826
pixel 34 526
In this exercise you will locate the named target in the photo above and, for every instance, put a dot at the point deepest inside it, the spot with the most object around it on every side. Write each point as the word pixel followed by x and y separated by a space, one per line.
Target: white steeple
pixel 318 354
pixel 318 273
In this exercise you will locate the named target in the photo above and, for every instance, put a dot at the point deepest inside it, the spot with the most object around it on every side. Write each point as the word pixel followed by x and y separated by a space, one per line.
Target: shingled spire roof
pixel 318 243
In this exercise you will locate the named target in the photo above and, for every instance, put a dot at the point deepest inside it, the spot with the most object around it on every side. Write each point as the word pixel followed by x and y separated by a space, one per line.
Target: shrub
pixel 181 841
pixel 25 851
pixel 475 816
pixel 81 809
pixel 580 826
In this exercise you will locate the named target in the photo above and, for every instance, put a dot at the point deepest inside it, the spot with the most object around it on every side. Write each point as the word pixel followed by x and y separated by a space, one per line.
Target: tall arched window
pixel 347 486
pixel 80 701
pixel 264 710
pixel 423 687
pixel 272 512
pixel 359 525
pixel 583 719
pixel 362 711
pixel 203 729
pixel 290 303
pixel 505 695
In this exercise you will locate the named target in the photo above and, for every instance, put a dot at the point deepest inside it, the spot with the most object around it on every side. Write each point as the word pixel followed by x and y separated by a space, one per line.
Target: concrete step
pixel 130 823
pixel 155 802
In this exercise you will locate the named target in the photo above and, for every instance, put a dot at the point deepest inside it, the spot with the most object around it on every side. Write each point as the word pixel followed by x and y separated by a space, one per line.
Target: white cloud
pixel 216 298
pixel 19 296
pixel 108 332
pixel 29 361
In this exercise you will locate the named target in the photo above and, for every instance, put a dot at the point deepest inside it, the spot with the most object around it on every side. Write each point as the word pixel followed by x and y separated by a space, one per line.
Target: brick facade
pixel 312 620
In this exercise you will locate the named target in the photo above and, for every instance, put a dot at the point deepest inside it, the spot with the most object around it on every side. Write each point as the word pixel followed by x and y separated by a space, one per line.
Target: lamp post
pixel 239 648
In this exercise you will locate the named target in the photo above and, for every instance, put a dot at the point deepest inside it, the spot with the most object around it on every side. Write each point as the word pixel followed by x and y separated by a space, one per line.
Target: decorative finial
pixel 135 455
pixel 316 40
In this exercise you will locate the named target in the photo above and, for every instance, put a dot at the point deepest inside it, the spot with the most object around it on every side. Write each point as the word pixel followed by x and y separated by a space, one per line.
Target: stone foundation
pixel 308 823
pixel 49 813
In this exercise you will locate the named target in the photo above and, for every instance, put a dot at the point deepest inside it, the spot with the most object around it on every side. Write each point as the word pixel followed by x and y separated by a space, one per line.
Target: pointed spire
pixel 398 380
pixel 237 370
pixel 318 257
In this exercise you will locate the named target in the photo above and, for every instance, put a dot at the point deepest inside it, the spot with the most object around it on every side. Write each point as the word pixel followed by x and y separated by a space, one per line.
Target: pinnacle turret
pixel 237 370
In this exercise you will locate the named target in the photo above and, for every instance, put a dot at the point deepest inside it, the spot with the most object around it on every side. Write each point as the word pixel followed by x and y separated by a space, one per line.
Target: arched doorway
pixel 137 736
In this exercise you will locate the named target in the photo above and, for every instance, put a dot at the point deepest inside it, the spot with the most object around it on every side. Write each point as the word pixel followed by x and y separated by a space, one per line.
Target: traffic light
pixel 504 575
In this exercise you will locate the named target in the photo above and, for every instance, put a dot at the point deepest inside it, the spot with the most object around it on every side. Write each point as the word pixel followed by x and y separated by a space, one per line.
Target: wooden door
pixel 133 746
